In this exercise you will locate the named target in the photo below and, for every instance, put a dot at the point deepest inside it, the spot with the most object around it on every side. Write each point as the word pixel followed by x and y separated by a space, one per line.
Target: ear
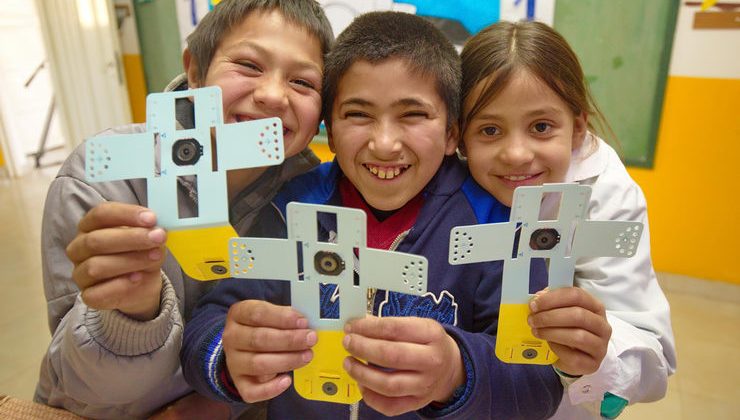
pixel 191 69
pixel 461 148
pixel 580 127
pixel 452 139
pixel 330 139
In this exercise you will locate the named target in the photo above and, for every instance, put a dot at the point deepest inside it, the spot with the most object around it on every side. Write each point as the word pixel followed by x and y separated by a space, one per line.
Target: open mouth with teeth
pixel 520 180
pixel 386 172
pixel 517 178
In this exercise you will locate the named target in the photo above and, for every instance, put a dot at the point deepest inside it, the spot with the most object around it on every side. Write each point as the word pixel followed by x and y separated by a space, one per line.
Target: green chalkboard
pixel 624 47
pixel 159 38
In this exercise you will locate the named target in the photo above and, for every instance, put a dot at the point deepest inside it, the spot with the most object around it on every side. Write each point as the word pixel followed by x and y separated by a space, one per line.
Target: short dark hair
pixel 378 36
pixel 204 40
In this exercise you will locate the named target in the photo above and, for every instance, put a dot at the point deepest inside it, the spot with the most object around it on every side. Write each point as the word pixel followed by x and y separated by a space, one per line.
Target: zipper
pixel 354 408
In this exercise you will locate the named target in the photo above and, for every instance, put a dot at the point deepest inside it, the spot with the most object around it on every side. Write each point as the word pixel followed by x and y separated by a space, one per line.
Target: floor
pixel 706 319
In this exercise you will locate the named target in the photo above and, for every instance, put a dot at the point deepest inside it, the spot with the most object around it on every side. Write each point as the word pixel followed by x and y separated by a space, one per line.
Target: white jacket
pixel 641 352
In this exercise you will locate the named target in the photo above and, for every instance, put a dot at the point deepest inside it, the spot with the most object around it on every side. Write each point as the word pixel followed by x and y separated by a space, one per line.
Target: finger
pixel 252 391
pixel 262 339
pixel 112 214
pixel 565 297
pixel 397 383
pixel 391 406
pixel 264 314
pixel 578 339
pixel 264 364
pixel 114 241
pixel 571 317
pixel 411 329
pixel 104 267
pixel 121 292
pixel 391 354
pixel 573 361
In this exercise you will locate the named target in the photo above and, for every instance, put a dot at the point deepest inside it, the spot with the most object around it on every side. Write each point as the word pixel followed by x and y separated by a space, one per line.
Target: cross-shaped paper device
pixel 166 152
pixel 560 242
pixel 307 262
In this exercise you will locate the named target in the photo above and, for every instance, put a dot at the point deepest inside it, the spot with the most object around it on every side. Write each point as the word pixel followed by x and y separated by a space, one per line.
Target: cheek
pixel 309 111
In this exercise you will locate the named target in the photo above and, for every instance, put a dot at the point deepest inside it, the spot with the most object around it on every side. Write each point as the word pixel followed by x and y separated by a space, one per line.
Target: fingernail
pixel 285 382
pixel 136 277
pixel 536 332
pixel 533 306
pixel 301 323
pixel 155 254
pixel 148 217
pixel 347 328
pixel 346 364
pixel 307 356
pixel 311 339
pixel 156 235
pixel 345 341
pixel 529 321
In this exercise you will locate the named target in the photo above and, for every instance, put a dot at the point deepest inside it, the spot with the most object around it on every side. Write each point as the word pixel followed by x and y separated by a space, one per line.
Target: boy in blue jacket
pixel 391 103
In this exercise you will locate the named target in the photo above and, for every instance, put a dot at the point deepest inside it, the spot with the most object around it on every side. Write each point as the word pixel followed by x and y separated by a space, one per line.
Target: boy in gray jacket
pixel 116 300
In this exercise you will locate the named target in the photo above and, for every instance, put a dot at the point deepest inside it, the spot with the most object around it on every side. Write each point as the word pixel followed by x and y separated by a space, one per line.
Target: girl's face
pixel 524 136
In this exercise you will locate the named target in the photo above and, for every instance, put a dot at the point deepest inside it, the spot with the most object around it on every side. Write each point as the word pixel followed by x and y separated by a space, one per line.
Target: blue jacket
pixel 464 298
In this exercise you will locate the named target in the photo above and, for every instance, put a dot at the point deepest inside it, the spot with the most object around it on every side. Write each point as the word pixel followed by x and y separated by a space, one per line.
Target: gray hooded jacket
pixel 103 364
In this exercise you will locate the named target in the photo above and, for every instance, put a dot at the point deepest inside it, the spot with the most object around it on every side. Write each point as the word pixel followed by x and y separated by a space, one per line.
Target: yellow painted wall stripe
pixel 693 192
pixel 322 151
pixel 136 85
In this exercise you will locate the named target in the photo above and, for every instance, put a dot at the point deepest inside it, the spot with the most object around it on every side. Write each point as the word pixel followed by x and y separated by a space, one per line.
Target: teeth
pixel 384 172
pixel 517 177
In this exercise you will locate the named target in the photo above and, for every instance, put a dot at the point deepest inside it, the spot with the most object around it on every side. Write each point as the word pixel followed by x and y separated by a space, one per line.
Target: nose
pixel 386 140
pixel 271 93
pixel 516 151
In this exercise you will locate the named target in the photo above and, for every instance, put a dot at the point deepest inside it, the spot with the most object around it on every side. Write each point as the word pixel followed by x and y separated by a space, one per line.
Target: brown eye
pixel 490 131
pixel 541 127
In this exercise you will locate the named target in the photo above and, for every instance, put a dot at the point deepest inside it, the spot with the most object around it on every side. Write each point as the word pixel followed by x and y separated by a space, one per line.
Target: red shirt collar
pixel 381 235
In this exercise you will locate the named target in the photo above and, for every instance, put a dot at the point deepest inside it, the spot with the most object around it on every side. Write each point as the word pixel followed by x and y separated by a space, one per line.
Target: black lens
pixel 328 263
pixel 529 354
pixel 329 388
pixel 186 152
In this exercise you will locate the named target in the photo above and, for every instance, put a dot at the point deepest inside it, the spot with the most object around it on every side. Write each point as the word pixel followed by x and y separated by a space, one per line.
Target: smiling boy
pixel 391 102
pixel 117 302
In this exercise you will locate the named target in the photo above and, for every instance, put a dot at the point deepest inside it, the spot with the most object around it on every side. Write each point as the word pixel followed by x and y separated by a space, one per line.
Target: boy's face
pixel 525 136
pixel 267 66
pixel 389 131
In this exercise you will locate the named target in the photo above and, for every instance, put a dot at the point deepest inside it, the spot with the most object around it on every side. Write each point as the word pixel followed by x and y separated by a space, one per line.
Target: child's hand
pixel 117 256
pixel 574 324
pixel 420 362
pixel 261 342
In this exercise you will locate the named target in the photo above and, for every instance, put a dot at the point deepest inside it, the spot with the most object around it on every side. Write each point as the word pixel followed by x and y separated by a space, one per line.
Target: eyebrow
pixel 400 102
pixel 300 64
pixel 534 113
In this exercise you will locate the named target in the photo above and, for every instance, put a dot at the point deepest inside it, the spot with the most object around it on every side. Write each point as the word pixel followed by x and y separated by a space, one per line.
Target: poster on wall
pixel 458 19
pixel 189 13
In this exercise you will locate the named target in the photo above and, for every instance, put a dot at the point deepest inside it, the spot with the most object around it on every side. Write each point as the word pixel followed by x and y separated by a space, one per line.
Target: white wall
pixel 23 109
pixel 709 53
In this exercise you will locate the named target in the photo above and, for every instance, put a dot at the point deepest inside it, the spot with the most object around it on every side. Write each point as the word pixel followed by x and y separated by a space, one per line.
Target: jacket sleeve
pixel 89 348
pixel 202 356
pixel 498 390
pixel 495 389
pixel 641 353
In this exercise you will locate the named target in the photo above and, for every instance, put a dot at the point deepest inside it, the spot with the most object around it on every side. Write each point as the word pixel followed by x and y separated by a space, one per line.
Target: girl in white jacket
pixel 527 120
